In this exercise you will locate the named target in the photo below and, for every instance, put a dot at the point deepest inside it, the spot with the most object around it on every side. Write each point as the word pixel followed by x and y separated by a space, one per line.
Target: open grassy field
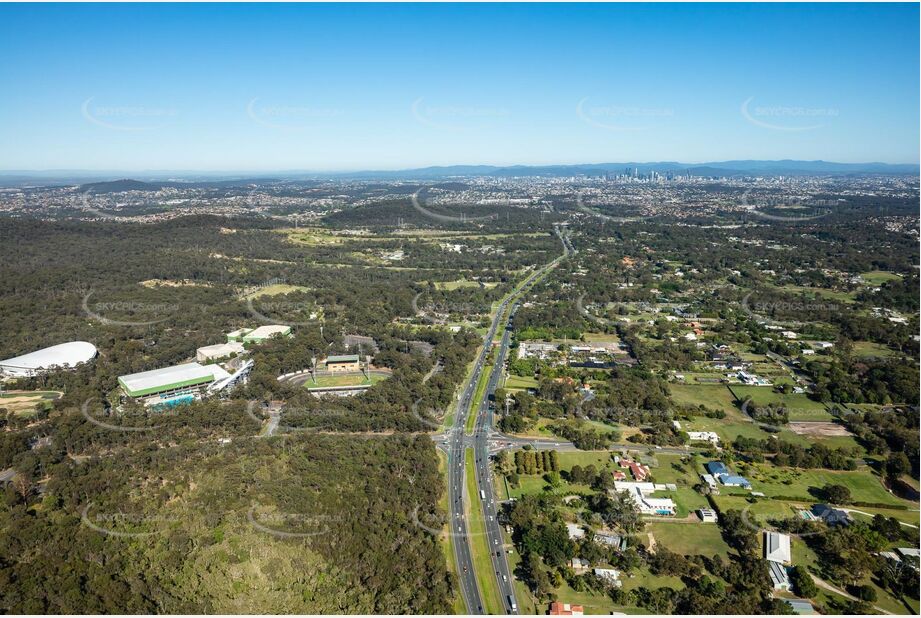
pixel 274 290
pixel 799 406
pixel 520 382
pixel 22 403
pixel 642 576
pixel 535 484
pixel 716 396
pixel 824 293
pixel 868 348
pixel 879 277
pixel 595 603
pixel 479 543
pixel 792 482
pixel 728 429
pixel 599 459
pixel 600 338
pixel 689 539
pixel 759 510
pixel 462 283
pixel 314 237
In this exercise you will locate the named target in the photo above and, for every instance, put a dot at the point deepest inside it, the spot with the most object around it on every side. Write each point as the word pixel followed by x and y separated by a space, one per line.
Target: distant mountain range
pixel 110 181
pixel 127 184
pixel 787 167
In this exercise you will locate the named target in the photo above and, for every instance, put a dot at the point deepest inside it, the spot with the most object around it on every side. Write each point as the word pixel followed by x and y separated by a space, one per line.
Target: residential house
pixel 830 515
pixel 565 609
pixel 609 576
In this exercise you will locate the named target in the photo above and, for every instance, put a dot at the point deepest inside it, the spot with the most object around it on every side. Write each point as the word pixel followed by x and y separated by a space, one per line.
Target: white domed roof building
pixel 61 356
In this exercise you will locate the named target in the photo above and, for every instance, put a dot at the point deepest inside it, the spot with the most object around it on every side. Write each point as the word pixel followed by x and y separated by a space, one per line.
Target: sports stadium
pixel 61 356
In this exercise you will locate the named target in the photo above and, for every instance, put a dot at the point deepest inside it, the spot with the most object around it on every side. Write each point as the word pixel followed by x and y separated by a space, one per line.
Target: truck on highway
pixel 482 495
pixel 511 603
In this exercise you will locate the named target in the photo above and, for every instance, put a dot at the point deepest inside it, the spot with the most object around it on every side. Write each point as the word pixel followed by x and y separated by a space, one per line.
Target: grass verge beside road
pixel 477 397
pixel 447 547
pixel 479 544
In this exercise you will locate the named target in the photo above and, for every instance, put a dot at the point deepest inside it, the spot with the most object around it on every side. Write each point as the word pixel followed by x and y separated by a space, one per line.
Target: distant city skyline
pixel 337 88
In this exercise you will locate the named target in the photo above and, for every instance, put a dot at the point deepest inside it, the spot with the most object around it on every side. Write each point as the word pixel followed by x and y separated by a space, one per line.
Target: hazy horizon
pixel 328 88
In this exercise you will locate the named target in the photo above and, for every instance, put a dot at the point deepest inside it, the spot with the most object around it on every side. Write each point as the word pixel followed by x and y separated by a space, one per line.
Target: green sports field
pixel 345 379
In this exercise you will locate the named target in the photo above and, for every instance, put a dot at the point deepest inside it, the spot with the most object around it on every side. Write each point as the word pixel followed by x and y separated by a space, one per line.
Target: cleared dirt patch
pixel 819 429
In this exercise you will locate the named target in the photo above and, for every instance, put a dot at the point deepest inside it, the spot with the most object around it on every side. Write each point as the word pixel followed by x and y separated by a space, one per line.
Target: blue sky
pixel 344 87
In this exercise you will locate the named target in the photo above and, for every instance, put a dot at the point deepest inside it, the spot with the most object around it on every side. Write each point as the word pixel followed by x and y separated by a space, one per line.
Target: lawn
pixel 478 397
pixel 672 469
pixel 600 338
pixel 595 603
pixel 792 482
pixel 826 293
pixel 583 458
pixel 727 429
pixel 759 509
pixel 535 483
pixel 879 277
pixel 23 403
pixel 799 406
pixel 689 539
pixel 868 348
pixel 717 396
pixel 642 577
pixel 462 283
pixel 348 379
pixel 520 382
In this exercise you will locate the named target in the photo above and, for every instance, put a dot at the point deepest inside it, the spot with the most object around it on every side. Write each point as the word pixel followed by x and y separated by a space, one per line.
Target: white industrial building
pixel 61 356
pixel 171 385
pixel 780 580
pixel 219 350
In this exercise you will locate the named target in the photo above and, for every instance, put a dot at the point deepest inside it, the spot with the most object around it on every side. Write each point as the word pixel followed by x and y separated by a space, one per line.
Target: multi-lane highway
pixel 482 430
pixel 456 448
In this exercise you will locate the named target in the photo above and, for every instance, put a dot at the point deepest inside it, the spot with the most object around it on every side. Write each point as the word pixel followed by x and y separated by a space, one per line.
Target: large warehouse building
pixel 258 335
pixel 61 356
pixel 171 385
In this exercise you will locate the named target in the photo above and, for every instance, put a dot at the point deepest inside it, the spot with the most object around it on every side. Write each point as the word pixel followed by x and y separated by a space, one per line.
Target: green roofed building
pixel 171 384
pixel 238 334
pixel 345 362
pixel 258 335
